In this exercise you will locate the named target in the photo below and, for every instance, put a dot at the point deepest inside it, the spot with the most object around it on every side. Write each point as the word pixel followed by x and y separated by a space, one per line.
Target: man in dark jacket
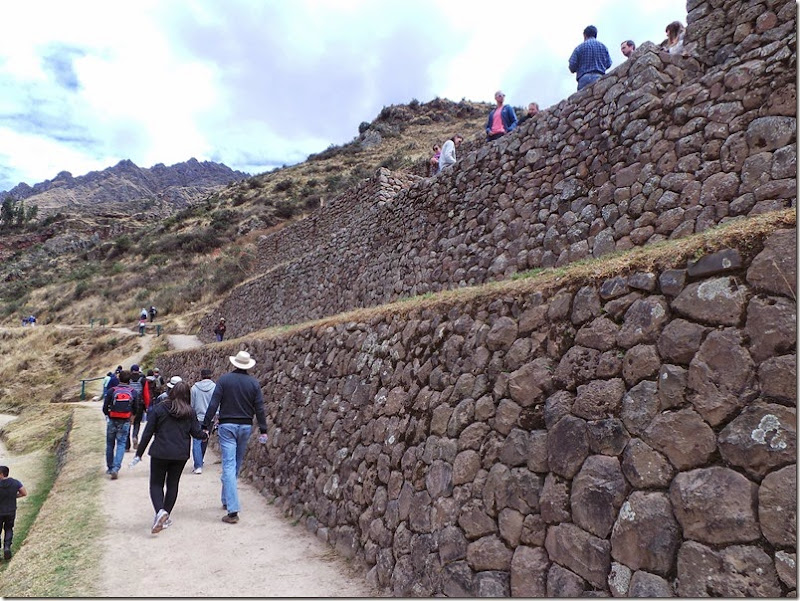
pixel 238 397
pixel 120 406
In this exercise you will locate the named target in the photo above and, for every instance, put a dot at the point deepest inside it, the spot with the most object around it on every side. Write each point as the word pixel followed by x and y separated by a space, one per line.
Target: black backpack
pixel 121 403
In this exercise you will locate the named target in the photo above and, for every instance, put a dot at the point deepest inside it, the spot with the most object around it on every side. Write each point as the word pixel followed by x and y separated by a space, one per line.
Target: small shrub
pixel 362 127
pixel 284 186
pixel 285 210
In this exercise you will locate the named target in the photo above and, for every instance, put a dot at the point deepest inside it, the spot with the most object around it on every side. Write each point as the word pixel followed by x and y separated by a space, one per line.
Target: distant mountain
pixel 127 187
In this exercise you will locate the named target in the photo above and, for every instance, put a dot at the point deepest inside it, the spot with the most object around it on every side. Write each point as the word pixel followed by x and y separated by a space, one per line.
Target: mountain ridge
pixel 117 186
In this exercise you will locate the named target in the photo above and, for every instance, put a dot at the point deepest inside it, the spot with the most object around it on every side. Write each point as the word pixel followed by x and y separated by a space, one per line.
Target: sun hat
pixel 242 360
pixel 174 380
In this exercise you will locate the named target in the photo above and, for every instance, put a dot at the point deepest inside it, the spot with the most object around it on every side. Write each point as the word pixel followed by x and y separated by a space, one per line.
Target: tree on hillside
pixel 16 215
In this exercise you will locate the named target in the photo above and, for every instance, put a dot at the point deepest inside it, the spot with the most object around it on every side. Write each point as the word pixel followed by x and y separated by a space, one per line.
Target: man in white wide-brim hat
pixel 238 396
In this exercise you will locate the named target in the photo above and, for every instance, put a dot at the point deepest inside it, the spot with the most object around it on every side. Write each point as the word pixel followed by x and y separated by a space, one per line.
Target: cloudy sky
pixel 256 84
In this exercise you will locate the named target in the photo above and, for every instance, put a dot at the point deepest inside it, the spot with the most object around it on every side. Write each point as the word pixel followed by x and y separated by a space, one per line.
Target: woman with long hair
pixel 173 423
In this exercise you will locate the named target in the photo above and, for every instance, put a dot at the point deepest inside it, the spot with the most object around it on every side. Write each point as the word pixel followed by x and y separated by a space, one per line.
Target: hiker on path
pixel 159 380
pixel 238 397
pixel 142 325
pixel 201 396
pixel 171 425
pixel 120 405
pixel 164 395
pixel 143 314
pixel 153 312
pixel 219 331
pixel 139 384
pixel 106 382
pixel 10 491
pixel 590 59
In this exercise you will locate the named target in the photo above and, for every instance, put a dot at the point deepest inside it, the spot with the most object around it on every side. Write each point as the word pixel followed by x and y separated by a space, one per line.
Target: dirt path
pixel 182 342
pixel 199 555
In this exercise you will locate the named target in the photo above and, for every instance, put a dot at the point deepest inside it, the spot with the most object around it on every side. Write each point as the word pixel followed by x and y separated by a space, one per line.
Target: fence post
pixel 158 330
pixel 83 390
pixel 91 323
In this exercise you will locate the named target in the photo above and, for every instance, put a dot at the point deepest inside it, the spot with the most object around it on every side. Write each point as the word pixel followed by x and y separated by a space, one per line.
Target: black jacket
pixel 172 435
pixel 238 396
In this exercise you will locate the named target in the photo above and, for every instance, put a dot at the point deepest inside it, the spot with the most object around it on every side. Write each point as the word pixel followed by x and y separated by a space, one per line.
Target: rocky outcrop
pixel 503 443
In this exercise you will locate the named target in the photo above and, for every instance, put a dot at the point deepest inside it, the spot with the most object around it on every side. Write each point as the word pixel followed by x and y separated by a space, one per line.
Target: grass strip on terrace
pixel 60 557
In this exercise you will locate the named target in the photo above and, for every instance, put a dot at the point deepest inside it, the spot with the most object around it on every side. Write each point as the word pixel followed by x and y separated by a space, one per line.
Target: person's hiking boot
pixel 135 444
pixel 114 475
pixel 6 552
pixel 231 518
pixel 161 519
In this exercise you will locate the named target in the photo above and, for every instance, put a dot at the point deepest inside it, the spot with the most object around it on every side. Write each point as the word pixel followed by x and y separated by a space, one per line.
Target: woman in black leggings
pixel 173 423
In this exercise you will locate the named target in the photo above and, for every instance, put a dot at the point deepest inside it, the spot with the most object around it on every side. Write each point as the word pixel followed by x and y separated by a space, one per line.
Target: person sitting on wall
pixel 674 42
pixel 533 110
pixel 502 119
pixel 448 156
pixel 627 47
pixel 434 162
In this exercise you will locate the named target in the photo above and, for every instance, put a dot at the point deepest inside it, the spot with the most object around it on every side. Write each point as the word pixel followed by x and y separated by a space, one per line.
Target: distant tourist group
pixel 178 420
pixel 589 61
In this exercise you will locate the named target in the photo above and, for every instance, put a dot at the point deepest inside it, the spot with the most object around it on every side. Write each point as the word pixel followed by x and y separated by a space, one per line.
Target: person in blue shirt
pixel 590 59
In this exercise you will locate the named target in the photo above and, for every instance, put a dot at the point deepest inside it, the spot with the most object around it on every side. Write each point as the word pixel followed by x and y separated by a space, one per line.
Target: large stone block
pixel 646 535
pixel 763 437
pixel 580 552
pixel 715 505
pixel 721 376
pixel 598 492
pixel 777 507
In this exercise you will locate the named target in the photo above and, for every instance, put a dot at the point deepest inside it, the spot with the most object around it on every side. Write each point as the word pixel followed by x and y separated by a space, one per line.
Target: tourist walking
pixel 120 405
pixel 171 425
pixel 10 490
pixel 238 397
pixel 219 330
pixel 201 397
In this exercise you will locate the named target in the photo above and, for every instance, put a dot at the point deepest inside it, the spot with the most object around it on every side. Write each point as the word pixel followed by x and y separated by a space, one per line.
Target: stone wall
pixel 301 237
pixel 630 433
pixel 659 148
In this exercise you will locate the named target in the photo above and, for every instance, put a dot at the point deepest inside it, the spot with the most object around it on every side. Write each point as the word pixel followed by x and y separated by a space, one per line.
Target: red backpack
pixel 121 403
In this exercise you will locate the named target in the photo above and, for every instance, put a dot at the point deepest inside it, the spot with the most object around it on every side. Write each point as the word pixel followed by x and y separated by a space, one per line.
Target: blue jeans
pixel 233 440
pixel 588 78
pixel 198 452
pixel 116 432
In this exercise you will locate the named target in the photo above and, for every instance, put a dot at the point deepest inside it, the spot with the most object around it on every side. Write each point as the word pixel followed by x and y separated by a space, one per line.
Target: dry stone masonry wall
pixel 630 436
pixel 660 148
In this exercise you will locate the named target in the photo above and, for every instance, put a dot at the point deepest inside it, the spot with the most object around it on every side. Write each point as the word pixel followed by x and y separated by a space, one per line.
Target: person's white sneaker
pixel 161 519
pixel 197 470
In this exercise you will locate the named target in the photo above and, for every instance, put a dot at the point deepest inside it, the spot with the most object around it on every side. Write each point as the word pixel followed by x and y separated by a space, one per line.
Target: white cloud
pixel 263 82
